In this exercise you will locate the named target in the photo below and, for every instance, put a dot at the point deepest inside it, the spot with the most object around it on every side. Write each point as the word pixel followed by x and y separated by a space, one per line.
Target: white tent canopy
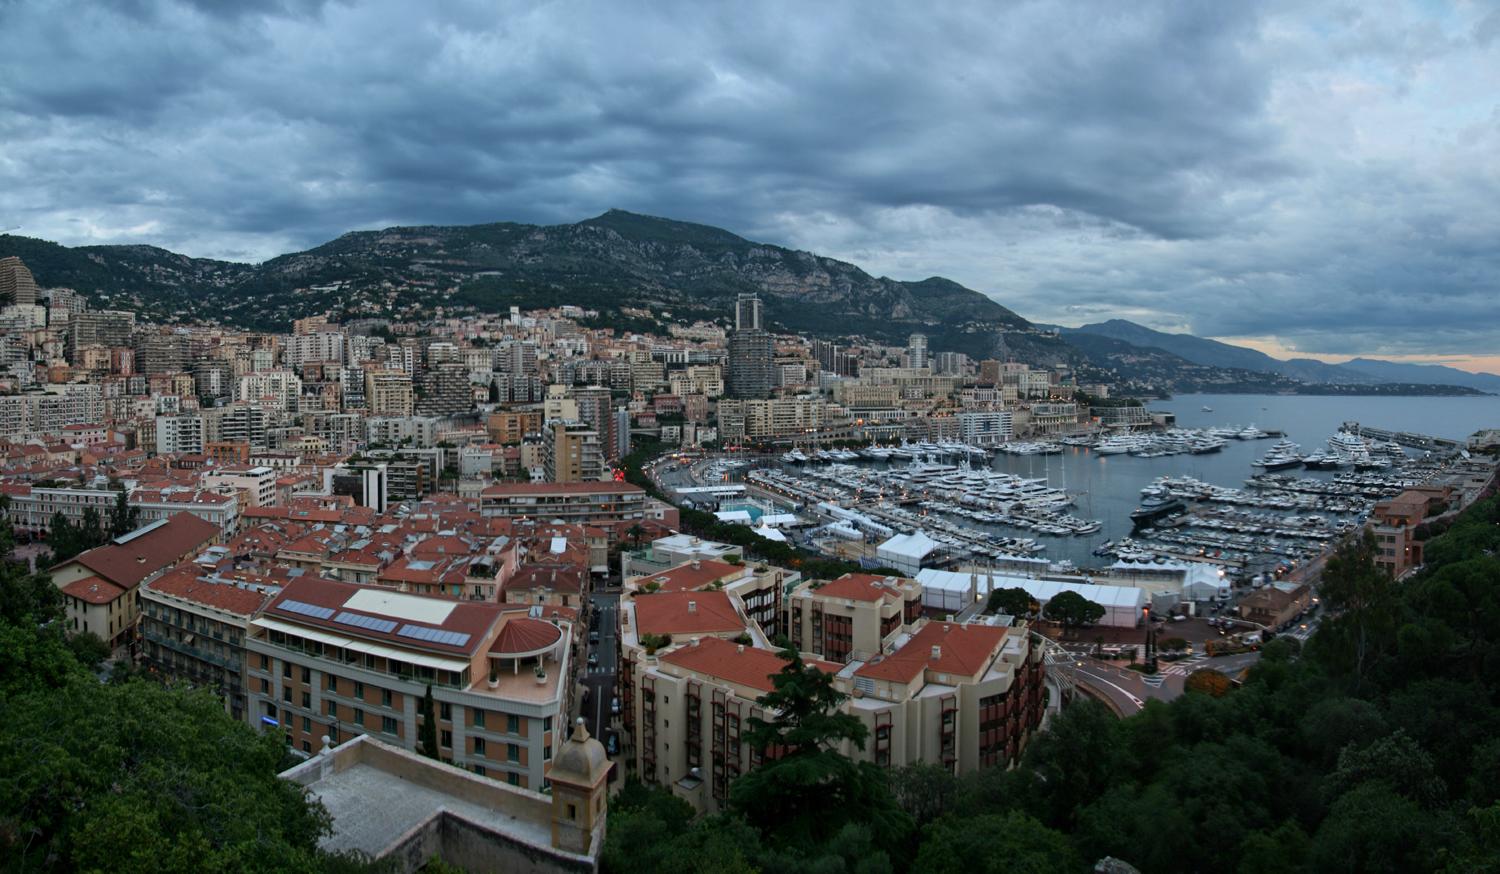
pixel 1122 604
pixel 905 552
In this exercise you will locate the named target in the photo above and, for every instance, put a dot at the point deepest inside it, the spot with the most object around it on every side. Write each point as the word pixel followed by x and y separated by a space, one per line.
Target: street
pixel 600 680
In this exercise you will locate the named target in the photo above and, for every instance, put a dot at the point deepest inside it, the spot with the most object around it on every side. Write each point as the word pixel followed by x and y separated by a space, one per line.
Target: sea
pixel 1109 487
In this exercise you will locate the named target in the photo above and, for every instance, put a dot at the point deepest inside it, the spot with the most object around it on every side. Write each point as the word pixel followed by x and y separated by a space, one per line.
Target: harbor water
pixel 1108 487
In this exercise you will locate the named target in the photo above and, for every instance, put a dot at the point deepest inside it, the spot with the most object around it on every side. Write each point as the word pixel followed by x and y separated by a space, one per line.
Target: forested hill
pixel 616 260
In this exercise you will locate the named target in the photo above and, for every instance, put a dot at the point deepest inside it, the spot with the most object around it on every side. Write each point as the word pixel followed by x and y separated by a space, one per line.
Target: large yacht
pixel 1156 502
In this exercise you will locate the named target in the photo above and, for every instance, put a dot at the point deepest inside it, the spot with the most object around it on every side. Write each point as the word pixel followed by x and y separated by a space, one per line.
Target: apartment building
pixel 282 387
pixel 31 507
pixel 256 481
pixel 571 452
pixel 756 419
pixel 1395 525
pixel 338 659
pixel 856 616
pixel 599 502
pixel 757 588
pixel 388 393
pixel 99 587
pixel 216 508
pixel 510 427
pixel 194 624
pixel 179 434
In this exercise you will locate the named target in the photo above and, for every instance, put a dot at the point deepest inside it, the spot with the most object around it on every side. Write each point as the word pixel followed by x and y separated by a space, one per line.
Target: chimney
pixel 742 648
pixel 694 641
pixel 937 652
pixel 692 606
pixel 697 564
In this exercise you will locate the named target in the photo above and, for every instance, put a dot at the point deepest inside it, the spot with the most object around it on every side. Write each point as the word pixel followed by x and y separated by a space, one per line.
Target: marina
pixel 1083 505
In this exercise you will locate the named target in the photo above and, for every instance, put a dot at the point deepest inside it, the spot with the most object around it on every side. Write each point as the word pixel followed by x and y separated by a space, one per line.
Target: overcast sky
pixel 1314 178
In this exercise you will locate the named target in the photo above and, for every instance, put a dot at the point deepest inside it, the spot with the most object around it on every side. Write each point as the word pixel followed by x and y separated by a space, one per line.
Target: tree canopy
pixel 1073 610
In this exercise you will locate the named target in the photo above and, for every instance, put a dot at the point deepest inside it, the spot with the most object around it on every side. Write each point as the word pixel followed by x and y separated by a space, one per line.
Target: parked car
pixel 593 637
pixel 1180 618
pixel 593 660
pixel 612 742
pixel 614 706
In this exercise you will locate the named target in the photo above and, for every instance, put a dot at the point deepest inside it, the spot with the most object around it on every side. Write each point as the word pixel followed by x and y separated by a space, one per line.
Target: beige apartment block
pixel 855 616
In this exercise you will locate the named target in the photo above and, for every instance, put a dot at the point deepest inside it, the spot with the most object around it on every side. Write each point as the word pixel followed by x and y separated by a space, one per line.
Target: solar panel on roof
pixel 434 635
pixel 312 610
pixel 369 623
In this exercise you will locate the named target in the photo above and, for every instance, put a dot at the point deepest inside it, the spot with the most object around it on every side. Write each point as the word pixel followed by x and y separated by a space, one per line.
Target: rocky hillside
pixel 611 262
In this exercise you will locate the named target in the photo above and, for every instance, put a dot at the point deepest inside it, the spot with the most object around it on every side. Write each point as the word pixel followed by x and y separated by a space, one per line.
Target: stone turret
pixel 578 778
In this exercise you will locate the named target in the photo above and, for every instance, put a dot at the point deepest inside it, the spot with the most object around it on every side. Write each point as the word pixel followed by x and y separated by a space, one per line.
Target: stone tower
pixel 578 775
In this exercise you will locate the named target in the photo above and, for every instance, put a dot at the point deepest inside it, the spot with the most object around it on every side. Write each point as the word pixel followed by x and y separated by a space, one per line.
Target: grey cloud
pixel 1191 161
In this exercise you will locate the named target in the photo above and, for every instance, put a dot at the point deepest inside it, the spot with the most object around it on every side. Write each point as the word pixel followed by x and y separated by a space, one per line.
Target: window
pixel 307 676
pixel 359 690
pixel 480 770
pixel 546 723
pixel 359 716
pixel 512 724
pixel 385 697
pixel 478 746
pixel 333 683
pixel 388 724
pixel 306 699
pixel 513 778
pixel 445 711
pixel 265 663
pixel 333 708
pixel 286 670
pixel 265 687
pixel 572 811
pixel 478 718
pixel 286 694
pixel 445 738
pixel 307 724
pixel 513 752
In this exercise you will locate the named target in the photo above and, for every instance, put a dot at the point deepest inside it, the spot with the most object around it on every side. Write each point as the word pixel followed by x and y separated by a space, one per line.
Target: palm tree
pixel 1098 645
pixel 635 532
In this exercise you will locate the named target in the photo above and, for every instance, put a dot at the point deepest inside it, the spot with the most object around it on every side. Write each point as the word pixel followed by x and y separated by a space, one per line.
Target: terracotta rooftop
pixel 557 577
pixel 686 613
pixel 146 553
pixel 745 666
pixel 524 635
pixel 474 618
pixel 185 584
pixel 694 575
pixel 961 650
pixel 860 587
pixel 93 590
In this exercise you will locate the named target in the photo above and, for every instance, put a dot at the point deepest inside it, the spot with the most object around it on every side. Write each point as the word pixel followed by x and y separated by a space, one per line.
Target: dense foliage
pixel 1376 748
pixel 130 775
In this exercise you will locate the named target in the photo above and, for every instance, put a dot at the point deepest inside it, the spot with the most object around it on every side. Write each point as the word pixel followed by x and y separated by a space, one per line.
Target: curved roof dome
pixel 525 637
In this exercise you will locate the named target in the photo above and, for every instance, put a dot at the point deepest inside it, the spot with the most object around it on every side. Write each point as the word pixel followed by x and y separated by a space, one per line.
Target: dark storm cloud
pixel 1230 168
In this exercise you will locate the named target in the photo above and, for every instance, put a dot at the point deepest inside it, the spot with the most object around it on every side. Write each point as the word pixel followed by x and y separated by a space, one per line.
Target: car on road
pixel 593 637
pixel 593 660
pixel 614 706
pixel 612 742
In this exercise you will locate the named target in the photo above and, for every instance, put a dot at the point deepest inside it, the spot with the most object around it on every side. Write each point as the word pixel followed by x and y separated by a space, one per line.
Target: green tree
pixel 1208 681
pixel 1073 610
pixel 922 789
pixel 123 518
pixel 809 790
pixel 1012 602
pixel 429 730
pixel 635 532
pixel 1362 599
pixel 89 648
pixel 995 845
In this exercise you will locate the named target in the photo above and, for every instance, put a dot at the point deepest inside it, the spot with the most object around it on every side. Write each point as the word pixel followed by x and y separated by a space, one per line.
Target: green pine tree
pixel 429 731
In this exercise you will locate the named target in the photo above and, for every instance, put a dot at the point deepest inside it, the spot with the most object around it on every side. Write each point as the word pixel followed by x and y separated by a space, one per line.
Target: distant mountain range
pixel 1357 371
pixel 626 266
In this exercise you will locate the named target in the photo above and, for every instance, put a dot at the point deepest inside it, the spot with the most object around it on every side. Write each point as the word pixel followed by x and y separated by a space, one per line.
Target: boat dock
pixel 1407 438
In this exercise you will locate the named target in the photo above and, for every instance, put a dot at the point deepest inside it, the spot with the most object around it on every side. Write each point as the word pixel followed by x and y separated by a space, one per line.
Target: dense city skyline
pixel 1308 180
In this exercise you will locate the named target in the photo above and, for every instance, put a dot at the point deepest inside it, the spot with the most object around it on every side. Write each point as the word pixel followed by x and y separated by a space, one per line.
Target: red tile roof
pixel 94 590
pixel 523 635
pixel 962 650
pixel 686 613
pixel 474 618
pixel 126 564
pixel 860 587
pixel 688 577
pixel 745 666
pixel 185 584
pixel 557 577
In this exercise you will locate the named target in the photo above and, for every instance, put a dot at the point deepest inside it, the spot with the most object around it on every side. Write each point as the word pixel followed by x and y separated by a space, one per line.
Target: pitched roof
pixel 557 577
pixel 186 584
pixel 149 550
pixel 694 575
pixel 686 613
pixel 94 590
pixel 860 587
pixel 944 647
pixel 742 665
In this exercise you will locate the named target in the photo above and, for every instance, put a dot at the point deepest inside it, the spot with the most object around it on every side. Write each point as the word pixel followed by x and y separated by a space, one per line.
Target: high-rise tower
pixel 16 285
